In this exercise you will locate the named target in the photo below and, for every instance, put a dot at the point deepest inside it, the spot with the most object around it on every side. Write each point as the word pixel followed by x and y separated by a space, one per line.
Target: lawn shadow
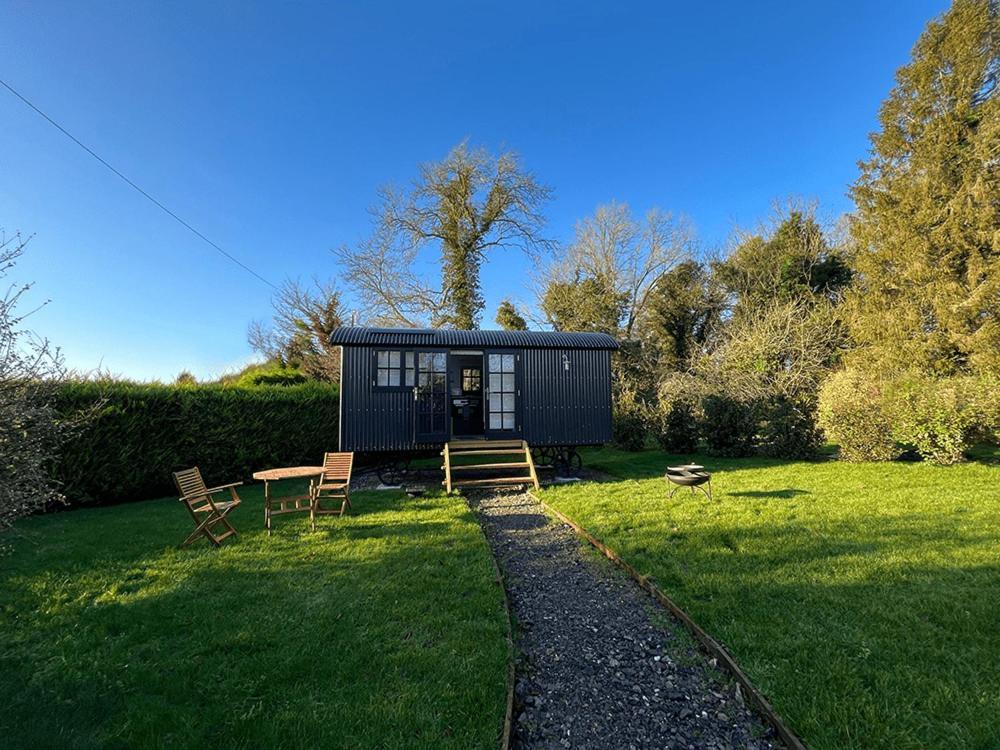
pixel 785 494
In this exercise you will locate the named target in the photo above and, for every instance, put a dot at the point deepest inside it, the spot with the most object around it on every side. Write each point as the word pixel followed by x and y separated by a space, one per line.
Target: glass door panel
pixel 432 396
pixel 503 395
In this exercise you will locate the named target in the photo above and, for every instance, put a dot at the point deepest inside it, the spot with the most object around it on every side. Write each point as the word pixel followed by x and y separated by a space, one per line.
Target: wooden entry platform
pixel 474 463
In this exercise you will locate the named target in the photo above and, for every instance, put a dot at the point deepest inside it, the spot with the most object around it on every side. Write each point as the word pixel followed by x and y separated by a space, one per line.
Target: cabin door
pixel 431 394
pixel 503 395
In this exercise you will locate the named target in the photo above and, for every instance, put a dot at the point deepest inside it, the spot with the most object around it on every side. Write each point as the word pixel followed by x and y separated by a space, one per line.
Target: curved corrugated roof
pixel 452 338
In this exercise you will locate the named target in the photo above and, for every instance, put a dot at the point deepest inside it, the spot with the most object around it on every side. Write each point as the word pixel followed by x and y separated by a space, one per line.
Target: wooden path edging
pixel 708 643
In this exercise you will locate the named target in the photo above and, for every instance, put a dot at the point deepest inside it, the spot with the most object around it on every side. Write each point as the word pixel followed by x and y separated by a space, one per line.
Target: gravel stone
pixel 593 670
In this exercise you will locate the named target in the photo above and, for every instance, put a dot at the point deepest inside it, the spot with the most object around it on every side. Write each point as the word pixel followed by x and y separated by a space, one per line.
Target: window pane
pixel 495 402
pixel 508 402
pixel 409 359
pixel 494 363
pixel 383 359
pixel 393 377
pixel 409 376
pixel 425 378
pixel 495 422
pixel 508 362
pixel 425 361
pixel 440 361
pixel 508 421
pixel 495 383
pixel 508 383
pixel 393 359
pixel 439 381
pixel 383 377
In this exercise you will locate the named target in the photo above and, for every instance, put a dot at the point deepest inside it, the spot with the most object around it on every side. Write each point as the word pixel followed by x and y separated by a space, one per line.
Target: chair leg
pixel 225 522
pixel 203 529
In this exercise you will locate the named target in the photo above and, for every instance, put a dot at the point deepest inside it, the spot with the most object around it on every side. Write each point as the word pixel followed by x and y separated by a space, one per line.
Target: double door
pixel 502 396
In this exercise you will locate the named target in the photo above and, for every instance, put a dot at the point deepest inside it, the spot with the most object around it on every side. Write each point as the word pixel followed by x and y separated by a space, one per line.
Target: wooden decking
pixel 473 463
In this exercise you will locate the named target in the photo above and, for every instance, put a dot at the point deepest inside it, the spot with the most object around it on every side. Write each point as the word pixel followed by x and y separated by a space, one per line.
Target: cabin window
pixel 409 371
pixel 471 379
pixel 389 368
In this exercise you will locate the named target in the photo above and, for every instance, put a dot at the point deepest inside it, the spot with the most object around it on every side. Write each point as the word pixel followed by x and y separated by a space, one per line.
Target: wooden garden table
pixel 288 503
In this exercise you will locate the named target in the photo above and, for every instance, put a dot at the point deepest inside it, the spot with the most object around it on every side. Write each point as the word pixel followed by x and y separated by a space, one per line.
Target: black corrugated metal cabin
pixel 403 389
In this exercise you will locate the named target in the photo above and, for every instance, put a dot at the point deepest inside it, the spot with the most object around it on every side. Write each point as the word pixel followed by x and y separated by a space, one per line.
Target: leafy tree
pixel 31 431
pixel 791 261
pixel 927 227
pixel 585 304
pixel 299 335
pixel 185 377
pixel 470 203
pixel 684 309
pixel 509 318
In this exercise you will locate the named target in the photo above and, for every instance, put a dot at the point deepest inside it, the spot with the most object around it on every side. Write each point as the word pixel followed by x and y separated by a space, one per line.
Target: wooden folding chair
pixel 206 512
pixel 335 484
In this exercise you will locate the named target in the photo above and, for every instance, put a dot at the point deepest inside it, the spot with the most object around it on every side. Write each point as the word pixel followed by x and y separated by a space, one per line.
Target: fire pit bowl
pixel 689 475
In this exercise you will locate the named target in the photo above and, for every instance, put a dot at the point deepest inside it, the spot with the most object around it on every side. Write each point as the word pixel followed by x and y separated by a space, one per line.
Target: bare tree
pixel 31 430
pixel 622 255
pixel 464 206
pixel 780 349
pixel 299 333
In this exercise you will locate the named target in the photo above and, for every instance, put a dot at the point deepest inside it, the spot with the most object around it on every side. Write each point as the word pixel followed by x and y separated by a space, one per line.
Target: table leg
pixel 267 506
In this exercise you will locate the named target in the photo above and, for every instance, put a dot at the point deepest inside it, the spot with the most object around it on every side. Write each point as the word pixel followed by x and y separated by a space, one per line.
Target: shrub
pixel 675 426
pixel 789 429
pixel 141 433
pixel 729 425
pixel 852 413
pixel 939 417
pixel 629 424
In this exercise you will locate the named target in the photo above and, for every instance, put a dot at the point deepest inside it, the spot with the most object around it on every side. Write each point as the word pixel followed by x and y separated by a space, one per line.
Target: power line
pixel 131 184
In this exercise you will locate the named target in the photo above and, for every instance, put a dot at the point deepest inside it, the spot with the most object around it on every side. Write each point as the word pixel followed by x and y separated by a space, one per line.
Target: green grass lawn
pixel 381 629
pixel 864 600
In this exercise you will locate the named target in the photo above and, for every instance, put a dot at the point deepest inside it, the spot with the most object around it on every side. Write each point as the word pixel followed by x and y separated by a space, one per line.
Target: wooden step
pixel 494 452
pixel 489 482
pixel 452 450
pixel 508 465
pixel 458 445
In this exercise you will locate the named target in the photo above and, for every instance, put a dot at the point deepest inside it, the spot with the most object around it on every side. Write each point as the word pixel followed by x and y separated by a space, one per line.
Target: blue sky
pixel 269 126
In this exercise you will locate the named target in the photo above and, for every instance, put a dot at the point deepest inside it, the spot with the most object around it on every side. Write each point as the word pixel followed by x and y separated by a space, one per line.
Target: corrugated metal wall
pixel 372 420
pixel 566 407
pixel 559 406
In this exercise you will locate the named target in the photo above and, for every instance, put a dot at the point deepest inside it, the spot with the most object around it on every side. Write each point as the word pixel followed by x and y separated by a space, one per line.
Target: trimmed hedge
pixel 140 433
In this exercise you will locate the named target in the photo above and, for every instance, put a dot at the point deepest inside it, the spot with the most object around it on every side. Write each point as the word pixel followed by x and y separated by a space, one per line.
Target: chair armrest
pixel 213 490
pixel 207 493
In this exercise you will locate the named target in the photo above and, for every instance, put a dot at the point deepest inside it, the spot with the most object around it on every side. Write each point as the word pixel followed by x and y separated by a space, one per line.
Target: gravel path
pixel 594 671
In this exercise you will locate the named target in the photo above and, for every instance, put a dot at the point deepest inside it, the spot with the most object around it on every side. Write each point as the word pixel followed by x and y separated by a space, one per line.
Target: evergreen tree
pixel 792 262
pixel 509 318
pixel 684 309
pixel 927 227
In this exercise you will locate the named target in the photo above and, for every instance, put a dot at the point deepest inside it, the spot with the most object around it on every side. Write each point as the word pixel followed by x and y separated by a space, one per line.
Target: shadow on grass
pixel 781 494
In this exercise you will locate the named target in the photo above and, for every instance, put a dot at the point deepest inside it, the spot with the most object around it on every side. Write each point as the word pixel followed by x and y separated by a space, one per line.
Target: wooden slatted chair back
pixel 337 468
pixel 192 487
